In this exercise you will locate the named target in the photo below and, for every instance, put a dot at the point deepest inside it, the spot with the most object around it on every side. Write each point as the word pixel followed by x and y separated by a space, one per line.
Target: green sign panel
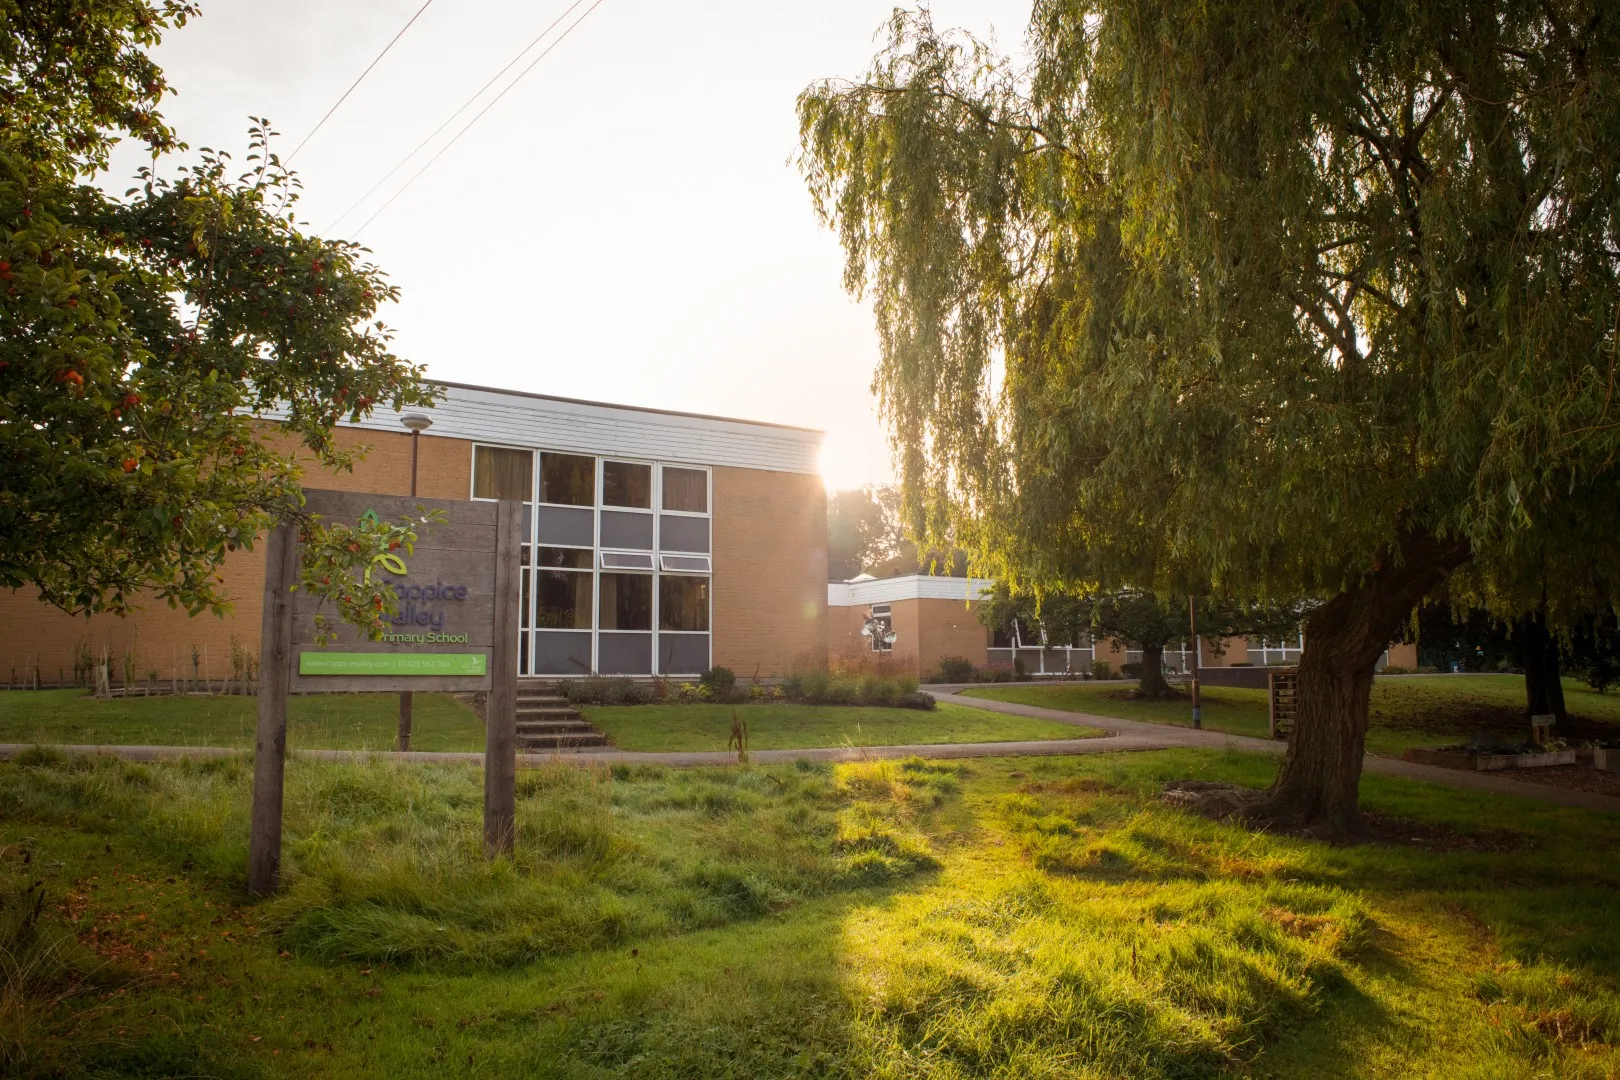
pixel 388 663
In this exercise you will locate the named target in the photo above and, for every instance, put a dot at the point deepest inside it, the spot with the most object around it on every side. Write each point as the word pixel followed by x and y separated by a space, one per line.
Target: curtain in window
pixel 502 474
pixel 686 490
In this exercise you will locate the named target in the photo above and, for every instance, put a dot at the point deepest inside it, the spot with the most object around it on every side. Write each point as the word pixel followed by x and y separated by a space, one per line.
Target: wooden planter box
pixel 1462 759
pixel 1607 759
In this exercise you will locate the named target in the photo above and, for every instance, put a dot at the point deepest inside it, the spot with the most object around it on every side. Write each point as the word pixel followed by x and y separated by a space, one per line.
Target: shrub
pixel 1396 669
pixel 955 669
pixel 876 690
pixel 1131 670
pixel 720 681
pixel 995 672
pixel 1018 667
pixel 1101 669
pixel 917 699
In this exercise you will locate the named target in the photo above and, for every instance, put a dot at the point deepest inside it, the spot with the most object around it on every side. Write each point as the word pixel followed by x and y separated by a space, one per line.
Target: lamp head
pixel 417 422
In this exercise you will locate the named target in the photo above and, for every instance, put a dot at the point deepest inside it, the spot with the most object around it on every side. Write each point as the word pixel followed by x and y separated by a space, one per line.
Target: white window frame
pixel 534 471
pixel 708 491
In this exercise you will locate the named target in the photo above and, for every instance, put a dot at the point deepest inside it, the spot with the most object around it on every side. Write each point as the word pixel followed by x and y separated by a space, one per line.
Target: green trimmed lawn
pixel 802 727
pixel 1045 917
pixel 1406 710
pixel 314 721
pixel 440 722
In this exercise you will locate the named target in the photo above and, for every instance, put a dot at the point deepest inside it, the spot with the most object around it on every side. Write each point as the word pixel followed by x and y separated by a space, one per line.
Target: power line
pixel 465 105
pixel 560 37
pixel 358 81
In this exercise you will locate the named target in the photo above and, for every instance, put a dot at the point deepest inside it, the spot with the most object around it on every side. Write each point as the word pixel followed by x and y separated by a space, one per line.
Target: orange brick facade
pixel 769 580
pixel 770 571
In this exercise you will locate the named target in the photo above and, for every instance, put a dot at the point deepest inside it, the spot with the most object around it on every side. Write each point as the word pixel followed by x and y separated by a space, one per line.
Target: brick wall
pixel 949 628
pixel 163 639
pixel 844 629
pixel 770 570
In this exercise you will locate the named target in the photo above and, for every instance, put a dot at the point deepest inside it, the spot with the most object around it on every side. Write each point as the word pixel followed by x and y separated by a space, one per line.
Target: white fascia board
pixel 510 418
pixel 910 587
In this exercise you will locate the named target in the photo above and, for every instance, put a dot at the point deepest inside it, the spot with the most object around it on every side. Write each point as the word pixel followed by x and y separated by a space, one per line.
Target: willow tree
pixel 1282 300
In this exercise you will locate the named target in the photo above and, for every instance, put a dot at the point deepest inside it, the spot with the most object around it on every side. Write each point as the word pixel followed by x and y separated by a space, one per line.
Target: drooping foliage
pixel 140 336
pixel 1292 300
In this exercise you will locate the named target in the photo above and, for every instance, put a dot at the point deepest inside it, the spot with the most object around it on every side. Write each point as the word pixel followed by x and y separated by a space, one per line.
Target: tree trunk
pixel 1151 683
pixel 1538 655
pixel 1316 791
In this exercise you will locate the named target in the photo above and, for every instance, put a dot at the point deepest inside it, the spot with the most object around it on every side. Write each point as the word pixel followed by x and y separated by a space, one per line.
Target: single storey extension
pixel 933 617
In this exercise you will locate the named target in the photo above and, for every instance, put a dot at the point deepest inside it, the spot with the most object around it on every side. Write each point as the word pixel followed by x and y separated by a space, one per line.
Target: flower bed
pixel 1489 759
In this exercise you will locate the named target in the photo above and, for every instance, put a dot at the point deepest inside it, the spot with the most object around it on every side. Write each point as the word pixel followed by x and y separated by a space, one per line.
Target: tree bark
pixel 1538 655
pixel 1316 792
pixel 1151 683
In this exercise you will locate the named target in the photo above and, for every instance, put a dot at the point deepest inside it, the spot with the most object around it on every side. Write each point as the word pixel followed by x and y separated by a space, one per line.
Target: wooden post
pixel 402 740
pixel 500 743
pixel 270 744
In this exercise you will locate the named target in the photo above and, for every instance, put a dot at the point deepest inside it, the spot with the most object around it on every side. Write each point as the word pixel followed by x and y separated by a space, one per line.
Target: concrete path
pixel 1125 735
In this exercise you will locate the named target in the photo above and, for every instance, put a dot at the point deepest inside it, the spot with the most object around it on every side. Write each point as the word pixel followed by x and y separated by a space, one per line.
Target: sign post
pixel 270 739
pixel 456 631
pixel 500 729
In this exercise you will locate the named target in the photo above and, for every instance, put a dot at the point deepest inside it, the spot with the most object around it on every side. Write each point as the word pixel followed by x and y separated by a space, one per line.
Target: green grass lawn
pixel 799 727
pixel 1406 711
pixel 1043 917
pixel 314 721
pixel 369 721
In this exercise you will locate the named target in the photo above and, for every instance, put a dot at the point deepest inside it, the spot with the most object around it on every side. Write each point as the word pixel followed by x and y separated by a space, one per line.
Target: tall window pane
pixel 683 603
pixel 568 479
pixel 626 602
pixel 499 473
pixel 565 600
pixel 625 483
pixel 686 490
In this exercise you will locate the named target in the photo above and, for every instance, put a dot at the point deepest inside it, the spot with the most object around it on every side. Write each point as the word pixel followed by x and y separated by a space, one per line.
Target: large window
pixel 683 603
pixel 624 483
pixel 567 558
pixel 499 473
pixel 686 490
pixel 626 602
pixel 567 479
pixel 564 600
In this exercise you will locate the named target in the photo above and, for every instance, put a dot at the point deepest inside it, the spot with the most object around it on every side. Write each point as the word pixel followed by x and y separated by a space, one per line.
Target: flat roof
pixel 616 405
pixel 518 418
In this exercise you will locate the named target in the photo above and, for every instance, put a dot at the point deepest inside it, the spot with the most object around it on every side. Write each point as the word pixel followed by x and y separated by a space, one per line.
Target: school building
pixel 936 617
pixel 658 542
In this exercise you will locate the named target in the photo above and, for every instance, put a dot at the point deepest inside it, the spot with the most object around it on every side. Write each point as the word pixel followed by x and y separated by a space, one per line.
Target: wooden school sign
pixel 456 631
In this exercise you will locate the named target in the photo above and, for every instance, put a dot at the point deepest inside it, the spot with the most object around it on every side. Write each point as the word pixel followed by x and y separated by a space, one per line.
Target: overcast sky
pixel 625 225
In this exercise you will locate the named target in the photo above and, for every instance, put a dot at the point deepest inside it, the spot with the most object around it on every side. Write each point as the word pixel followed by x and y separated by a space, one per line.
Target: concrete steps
pixel 546 721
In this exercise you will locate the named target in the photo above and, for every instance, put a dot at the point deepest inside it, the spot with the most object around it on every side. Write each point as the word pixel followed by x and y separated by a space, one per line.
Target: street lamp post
pixel 416 423
pixel 1192 623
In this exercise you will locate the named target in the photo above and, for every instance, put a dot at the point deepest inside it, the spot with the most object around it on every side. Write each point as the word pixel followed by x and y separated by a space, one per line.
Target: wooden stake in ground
pixel 270 744
pixel 500 745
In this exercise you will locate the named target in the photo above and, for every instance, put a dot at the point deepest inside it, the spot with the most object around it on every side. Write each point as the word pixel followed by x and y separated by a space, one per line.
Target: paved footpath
pixel 1124 735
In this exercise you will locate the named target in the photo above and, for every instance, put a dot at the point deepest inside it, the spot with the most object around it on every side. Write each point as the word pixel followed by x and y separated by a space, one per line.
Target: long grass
pixel 1042 917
